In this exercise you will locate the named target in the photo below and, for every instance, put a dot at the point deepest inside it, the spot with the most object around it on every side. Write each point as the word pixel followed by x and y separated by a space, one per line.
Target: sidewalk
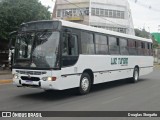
pixel 3 72
pixel 157 65
pixel 5 76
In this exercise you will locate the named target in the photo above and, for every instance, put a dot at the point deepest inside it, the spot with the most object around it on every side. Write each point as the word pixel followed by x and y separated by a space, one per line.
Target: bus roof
pixel 100 30
pixel 94 29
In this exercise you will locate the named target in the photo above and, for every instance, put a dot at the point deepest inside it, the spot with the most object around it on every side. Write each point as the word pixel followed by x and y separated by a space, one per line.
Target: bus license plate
pixel 29 81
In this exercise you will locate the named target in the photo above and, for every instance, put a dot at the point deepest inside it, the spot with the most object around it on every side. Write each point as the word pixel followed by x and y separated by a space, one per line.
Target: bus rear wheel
pixel 135 77
pixel 85 84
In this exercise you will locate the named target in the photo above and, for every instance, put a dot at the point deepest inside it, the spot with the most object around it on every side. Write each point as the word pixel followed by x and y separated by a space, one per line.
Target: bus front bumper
pixel 47 85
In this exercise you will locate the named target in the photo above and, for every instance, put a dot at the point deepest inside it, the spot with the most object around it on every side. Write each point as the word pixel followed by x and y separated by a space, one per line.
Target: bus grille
pixel 31 72
pixel 30 78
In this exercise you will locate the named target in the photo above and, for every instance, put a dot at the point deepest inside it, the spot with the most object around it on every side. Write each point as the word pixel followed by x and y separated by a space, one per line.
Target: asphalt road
pixel 113 96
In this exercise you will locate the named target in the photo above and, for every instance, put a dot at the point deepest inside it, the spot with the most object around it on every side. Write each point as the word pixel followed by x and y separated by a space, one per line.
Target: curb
pixel 5 81
pixel 157 66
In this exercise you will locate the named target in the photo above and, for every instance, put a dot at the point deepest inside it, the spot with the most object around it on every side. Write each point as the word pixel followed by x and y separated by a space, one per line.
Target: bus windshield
pixel 37 49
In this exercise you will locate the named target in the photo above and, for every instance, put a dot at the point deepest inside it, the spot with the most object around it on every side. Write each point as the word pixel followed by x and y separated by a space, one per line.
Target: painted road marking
pixel 6 81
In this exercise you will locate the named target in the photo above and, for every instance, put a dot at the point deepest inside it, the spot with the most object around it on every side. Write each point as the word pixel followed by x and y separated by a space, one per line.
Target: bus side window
pixel 142 48
pixel 139 48
pixel 65 44
pixel 101 44
pixel 132 47
pixel 146 49
pixel 124 46
pixel 70 45
pixel 87 43
pixel 151 49
pixel 114 45
pixel 73 45
pixel 69 49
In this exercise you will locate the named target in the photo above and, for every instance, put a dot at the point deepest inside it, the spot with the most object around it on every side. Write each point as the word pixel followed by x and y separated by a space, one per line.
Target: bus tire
pixel 85 84
pixel 135 77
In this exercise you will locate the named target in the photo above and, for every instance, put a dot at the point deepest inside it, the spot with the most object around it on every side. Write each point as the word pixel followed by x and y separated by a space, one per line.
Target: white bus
pixel 59 55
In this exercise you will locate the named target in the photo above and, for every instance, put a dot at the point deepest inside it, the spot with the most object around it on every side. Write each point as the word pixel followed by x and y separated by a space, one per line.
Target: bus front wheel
pixel 85 84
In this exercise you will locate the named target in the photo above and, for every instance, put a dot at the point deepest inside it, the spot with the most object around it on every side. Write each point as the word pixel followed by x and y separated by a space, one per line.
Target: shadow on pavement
pixel 66 94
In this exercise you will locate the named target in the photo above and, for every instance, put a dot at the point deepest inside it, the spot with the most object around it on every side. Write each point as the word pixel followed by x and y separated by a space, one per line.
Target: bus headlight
pixel 49 78
pixel 15 76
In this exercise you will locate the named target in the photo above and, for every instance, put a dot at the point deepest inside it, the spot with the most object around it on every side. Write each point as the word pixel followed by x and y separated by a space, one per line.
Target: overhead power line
pixel 148 6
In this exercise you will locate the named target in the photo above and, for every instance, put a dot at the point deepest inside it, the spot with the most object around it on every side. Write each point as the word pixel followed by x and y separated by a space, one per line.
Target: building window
pixel 86 11
pixel 74 12
pixel 107 13
pixel 101 12
pixel 122 15
pixel 110 13
pixel 59 13
pixel 118 14
pixel 97 11
pixel 93 11
pixel 114 14
pixel 122 30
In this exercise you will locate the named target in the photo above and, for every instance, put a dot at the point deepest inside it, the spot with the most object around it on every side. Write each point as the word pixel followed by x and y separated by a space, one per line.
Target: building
pixel 108 14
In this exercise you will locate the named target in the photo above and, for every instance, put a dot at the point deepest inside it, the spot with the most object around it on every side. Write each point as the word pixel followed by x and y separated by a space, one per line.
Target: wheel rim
pixel 136 75
pixel 85 84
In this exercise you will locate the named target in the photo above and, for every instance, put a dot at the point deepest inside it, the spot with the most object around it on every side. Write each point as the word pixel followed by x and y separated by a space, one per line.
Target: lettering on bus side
pixel 119 61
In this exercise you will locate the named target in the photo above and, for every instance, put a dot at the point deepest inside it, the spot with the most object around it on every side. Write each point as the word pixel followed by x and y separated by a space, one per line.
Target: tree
pixel 15 12
pixel 155 43
pixel 145 34
pixel 142 33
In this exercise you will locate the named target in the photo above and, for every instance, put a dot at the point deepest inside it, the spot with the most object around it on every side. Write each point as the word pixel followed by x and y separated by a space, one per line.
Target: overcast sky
pixel 145 13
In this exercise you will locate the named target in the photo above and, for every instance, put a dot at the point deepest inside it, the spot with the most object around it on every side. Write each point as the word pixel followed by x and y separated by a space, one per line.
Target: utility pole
pixel 54 10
